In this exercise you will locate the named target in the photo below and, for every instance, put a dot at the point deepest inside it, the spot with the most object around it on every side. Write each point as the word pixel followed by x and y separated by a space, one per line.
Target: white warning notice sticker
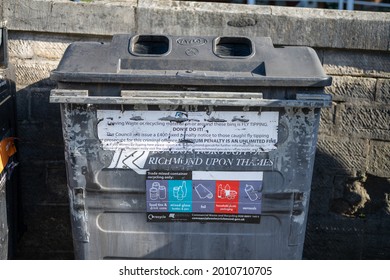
pixel 188 131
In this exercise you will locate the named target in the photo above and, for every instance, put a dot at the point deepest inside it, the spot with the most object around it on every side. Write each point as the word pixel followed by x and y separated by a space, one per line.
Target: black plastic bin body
pixel 8 184
pixel 189 147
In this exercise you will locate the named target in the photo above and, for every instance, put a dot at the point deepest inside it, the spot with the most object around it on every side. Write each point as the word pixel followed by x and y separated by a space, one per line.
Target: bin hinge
pixel 79 215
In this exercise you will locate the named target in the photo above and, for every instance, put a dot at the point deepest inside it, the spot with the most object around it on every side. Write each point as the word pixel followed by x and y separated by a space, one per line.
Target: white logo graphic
pixel 130 159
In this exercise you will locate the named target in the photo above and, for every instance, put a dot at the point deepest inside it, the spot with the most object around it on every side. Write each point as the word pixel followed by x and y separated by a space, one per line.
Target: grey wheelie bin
pixel 8 187
pixel 189 147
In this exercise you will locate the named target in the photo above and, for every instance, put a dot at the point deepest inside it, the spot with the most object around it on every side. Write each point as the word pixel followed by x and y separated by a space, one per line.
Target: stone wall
pixel 350 205
pixel 349 214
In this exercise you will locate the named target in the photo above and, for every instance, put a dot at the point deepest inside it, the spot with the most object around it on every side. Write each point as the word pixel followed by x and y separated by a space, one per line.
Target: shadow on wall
pixel 47 232
pixel 349 216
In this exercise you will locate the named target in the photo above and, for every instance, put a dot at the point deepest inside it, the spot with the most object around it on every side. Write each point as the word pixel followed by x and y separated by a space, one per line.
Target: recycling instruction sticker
pixel 203 196
pixel 178 131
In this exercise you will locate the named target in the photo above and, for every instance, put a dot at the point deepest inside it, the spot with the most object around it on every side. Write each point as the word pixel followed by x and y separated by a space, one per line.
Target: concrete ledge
pixel 357 63
pixel 63 16
pixel 286 26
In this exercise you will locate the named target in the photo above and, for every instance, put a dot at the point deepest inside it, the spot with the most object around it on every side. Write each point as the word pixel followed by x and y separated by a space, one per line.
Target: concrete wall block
pixel 20 49
pixel 2 22
pixel 37 151
pixel 327 120
pixel 33 71
pixel 41 109
pixel 69 17
pixel 308 28
pixel 321 190
pixel 47 45
pixel 45 178
pixel 383 90
pixel 356 33
pixel 29 49
pixel 332 28
pixel 40 133
pixel 40 141
pixel 321 199
pixel 49 50
pixel 194 18
pixel 357 63
pixel 341 154
pixel 370 122
pixel 23 101
pixel 316 28
pixel 328 237
pixel 8 73
pixel 376 246
pixel 295 29
pixel 56 183
pixel 336 237
pixel 379 163
pixel 286 26
pixel 48 233
pixel 352 89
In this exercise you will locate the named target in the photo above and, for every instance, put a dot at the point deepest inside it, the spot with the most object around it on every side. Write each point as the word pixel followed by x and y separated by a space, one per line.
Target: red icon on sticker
pixel 226 200
pixel 224 191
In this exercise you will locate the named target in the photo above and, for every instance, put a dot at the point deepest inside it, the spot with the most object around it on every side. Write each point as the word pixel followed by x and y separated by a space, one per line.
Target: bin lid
pixel 191 60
